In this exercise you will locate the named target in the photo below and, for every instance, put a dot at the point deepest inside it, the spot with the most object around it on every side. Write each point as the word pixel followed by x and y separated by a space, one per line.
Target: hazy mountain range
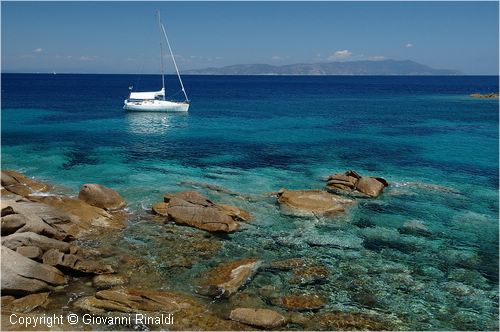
pixel 383 67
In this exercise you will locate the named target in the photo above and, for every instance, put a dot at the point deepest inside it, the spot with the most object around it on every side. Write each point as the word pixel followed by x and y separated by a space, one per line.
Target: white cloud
pixel 343 54
pixel 408 45
pixel 38 50
pixel 276 58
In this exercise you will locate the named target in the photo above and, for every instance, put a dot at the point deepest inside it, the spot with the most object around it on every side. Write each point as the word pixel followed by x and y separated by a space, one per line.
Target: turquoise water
pixel 437 147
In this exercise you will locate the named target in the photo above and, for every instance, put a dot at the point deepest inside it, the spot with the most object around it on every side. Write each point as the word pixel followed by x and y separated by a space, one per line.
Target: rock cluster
pixel 192 209
pixel 40 255
pixel 351 183
pixel 37 231
pixel 485 95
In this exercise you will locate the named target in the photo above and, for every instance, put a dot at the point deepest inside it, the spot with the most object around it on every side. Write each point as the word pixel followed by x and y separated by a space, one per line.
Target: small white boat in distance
pixel 155 101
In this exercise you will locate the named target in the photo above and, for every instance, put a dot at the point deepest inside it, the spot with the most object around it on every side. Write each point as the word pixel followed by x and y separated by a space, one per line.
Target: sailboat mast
pixel 161 58
pixel 175 64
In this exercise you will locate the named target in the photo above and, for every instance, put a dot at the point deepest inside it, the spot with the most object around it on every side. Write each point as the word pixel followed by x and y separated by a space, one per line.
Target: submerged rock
pixel 346 321
pixel 415 227
pixel 103 281
pixel 352 183
pixel 227 278
pixel 24 304
pixel 312 202
pixel 302 302
pixel 23 275
pixel 311 274
pixel 101 196
pixel 188 314
pixel 304 271
pixel 192 209
pixel 264 318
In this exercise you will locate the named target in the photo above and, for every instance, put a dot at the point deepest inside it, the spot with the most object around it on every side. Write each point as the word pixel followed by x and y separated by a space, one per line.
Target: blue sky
pixel 123 37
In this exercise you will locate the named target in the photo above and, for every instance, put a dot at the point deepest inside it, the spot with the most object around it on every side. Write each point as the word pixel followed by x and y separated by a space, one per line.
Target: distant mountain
pixel 384 67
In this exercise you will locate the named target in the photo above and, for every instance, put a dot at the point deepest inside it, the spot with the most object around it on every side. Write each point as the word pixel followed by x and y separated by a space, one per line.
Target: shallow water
pixel 436 146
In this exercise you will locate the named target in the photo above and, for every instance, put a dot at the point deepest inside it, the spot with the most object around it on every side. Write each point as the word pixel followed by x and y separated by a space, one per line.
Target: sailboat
pixel 155 101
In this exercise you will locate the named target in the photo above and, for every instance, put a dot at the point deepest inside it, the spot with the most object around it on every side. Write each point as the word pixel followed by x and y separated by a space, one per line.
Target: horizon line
pixel 188 74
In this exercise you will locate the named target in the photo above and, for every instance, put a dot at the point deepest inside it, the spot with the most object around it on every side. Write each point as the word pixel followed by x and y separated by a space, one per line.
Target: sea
pixel 246 137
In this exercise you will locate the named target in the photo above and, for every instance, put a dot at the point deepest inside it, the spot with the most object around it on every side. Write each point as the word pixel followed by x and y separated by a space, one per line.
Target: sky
pixel 123 37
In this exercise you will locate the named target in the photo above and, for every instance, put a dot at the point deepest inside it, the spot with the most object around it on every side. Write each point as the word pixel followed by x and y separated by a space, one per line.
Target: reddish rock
pixel 225 279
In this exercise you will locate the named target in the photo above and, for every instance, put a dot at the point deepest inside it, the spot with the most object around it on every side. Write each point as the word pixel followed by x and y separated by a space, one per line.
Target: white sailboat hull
pixel 155 106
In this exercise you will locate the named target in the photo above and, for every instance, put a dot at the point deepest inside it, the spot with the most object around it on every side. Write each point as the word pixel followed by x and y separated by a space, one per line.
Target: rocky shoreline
pixel 61 253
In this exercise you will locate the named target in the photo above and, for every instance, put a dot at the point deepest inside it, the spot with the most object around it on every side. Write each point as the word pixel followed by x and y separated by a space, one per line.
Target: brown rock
pixel 264 318
pixel 12 222
pixel 56 258
pixel 167 197
pixel 193 209
pixel 312 202
pixel 352 183
pixel 20 184
pixel 25 304
pixel 35 217
pixel 226 278
pixel 161 209
pixel 30 251
pixel 370 186
pixel 302 302
pixel 85 218
pixel 104 281
pixel 23 275
pixel 101 196
pixel 236 213
pixel 16 240
pixel 342 181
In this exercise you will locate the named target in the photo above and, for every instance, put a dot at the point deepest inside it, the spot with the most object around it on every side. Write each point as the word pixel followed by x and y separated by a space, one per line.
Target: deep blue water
pixel 437 147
